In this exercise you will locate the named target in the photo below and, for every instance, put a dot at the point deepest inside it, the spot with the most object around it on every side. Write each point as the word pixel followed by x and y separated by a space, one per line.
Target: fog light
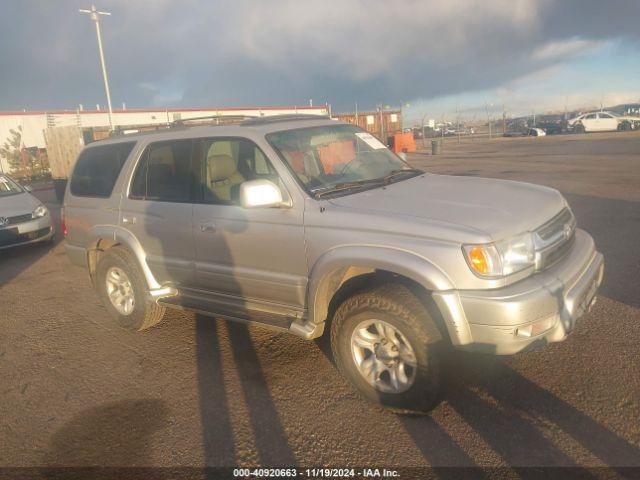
pixel 536 328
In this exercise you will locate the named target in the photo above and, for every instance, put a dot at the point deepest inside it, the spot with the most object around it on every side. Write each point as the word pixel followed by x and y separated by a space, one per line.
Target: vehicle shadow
pixel 506 410
pixel 218 438
pixel 270 437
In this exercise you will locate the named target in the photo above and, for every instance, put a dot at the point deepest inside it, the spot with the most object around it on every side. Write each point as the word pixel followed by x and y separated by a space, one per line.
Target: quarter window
pixel 165 173
pixel 97 169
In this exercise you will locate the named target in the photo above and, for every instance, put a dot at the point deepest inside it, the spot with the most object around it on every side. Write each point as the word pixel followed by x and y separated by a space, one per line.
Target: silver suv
pixel 309 225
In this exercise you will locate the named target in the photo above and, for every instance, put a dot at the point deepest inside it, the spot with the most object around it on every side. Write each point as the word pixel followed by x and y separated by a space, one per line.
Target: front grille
pixel 553 254
pixel 19 219
pixel 554 239
pixel 556 225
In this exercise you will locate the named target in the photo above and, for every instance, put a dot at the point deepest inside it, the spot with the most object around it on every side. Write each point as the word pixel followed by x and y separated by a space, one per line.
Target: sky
pixel 476 57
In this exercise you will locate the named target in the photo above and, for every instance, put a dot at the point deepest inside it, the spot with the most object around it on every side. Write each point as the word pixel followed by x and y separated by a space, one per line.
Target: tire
pixel 395 305
pixel 145 313
pixel 625 126
pixel 580 128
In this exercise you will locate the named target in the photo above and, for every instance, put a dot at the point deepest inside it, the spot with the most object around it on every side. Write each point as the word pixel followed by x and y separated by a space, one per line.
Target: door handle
pixel 129 220
pixel 208 227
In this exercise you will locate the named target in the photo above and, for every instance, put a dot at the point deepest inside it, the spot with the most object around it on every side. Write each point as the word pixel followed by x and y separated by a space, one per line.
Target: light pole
pixel 95 16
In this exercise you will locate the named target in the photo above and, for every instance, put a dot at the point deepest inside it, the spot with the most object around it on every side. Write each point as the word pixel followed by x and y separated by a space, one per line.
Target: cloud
pixel 197 52
pixel 562 50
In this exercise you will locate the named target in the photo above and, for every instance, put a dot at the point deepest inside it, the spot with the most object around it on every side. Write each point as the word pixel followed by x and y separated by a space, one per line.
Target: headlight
pixel 503 258
pixel 39 212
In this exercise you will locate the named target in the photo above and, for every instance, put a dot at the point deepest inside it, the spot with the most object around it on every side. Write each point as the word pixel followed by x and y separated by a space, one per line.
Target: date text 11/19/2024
pixel 315 473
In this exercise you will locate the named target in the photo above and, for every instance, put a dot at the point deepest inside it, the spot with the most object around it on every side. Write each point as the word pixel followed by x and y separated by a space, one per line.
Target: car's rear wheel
pixel 386 343
pixel 122 289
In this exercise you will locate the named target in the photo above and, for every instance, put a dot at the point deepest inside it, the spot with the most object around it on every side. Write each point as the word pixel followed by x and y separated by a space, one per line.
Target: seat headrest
pixel 221 167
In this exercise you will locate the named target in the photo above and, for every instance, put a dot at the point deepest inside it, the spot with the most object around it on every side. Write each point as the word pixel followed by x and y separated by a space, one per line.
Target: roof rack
pixel 123 130
pixel 282 118
pixel 218 118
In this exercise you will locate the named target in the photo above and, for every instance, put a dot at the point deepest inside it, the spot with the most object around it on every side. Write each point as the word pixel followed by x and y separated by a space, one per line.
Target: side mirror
pixel 27 188
pixel 260 193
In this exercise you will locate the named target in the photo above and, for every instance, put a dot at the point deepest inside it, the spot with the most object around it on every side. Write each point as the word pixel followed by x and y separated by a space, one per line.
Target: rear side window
pixel 164 173
pixel 97 169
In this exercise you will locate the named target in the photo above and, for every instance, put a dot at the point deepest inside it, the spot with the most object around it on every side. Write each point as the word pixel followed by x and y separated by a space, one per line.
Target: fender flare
pixel 336 266
pixel 123 237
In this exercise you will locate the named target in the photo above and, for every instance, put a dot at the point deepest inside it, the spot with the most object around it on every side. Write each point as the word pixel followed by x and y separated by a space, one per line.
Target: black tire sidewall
pixel 135 320
pixel 424 392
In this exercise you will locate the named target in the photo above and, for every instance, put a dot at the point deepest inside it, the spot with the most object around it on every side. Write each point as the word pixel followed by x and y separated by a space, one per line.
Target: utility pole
pixel 486 108
pixel 94 14
pixel 458 121
pixel 424 145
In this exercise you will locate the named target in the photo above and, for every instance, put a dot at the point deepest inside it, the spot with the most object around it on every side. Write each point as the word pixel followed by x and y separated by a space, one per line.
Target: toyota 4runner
pixel 306 225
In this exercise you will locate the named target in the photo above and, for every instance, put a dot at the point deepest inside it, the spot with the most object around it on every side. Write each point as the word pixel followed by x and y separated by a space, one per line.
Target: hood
pixel 498 208
pixel 18 204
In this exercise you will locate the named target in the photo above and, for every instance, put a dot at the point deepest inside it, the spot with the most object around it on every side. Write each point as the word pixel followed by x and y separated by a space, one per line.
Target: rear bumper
pixel 541 309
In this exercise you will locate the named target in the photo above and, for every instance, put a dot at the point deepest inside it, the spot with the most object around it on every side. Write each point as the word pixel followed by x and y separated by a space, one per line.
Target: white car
pixel 23 218
pixel 536 132
pixel 601 122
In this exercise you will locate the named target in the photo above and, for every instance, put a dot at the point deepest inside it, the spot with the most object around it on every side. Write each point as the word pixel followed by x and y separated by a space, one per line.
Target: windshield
pixel 338 158
pixel 8 186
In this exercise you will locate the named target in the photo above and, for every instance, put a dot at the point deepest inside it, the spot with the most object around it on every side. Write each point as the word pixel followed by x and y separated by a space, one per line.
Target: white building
pixel 33 124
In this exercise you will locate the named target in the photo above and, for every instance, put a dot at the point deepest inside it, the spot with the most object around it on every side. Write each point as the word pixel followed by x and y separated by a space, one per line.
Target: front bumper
pixel 541 309
pixel 36 230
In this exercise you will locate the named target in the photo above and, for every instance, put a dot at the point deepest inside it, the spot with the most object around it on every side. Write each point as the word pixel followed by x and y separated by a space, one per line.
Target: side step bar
pixel 228 308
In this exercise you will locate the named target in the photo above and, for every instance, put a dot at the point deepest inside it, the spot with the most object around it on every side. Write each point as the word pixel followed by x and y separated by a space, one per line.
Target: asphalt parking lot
pixel 78 391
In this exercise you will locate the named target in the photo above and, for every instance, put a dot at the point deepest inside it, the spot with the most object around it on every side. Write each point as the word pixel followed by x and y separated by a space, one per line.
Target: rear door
pixel 158 210
pixel 607 122
pixel 90 199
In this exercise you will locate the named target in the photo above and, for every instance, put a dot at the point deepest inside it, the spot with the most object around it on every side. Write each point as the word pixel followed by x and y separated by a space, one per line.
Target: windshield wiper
pixel 401 171
pixel 338 187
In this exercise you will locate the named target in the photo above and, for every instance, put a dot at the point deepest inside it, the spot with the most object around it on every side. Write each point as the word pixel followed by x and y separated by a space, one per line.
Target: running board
pixel 228 308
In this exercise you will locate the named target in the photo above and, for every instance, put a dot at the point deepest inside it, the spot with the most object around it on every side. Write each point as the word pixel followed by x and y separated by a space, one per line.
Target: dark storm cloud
pixel 192 52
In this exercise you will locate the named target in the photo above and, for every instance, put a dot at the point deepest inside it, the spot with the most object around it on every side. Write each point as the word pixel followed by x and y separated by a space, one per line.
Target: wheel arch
pixel 345 265
pixel 104 238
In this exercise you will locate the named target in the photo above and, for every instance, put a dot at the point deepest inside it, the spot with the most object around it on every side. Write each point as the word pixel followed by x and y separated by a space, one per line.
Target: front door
pixel 256 254
pixel 159 210
pixel 590 123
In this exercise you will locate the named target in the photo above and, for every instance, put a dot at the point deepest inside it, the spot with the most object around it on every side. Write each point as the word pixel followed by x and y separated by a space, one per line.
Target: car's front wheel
pixel 122 289
pixel 580 128
pixel 386 343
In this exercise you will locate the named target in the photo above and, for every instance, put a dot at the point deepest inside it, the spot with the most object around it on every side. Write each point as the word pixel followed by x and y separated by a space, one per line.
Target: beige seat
pixel 223 179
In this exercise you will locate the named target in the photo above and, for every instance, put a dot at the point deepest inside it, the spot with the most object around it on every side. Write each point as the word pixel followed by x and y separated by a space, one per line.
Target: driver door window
pixel 227 163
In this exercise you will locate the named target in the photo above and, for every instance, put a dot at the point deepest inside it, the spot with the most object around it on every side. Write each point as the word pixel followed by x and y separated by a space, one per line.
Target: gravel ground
pixel 78 391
